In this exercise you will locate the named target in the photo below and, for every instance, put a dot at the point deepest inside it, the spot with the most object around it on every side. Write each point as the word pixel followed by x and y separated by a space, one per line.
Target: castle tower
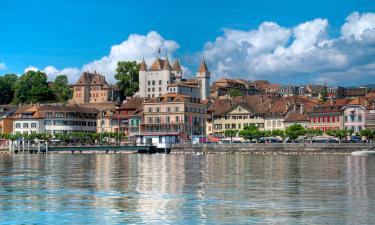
pixel 143 79
pixel 203 75
pixel 176 70
pixel 166 75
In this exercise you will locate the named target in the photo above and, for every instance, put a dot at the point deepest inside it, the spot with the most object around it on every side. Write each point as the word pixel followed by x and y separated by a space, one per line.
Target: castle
pixel 93 88
pixel 156 80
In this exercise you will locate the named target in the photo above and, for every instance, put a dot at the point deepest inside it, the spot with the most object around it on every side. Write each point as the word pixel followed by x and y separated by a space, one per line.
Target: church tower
pixel 203 76
pixel 143 79
pixel 177 71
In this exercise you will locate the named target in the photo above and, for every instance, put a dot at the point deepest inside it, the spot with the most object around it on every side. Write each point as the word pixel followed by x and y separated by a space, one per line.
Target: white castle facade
pixel 158 79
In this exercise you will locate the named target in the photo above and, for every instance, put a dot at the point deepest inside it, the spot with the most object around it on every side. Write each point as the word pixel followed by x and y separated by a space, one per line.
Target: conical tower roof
pixel 143 66
pixel 176 66
pixel 203 67
pixel 166 65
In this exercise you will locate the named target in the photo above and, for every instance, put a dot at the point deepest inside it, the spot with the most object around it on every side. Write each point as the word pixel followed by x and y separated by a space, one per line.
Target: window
pixel 58 122
pixel 149 83
pixel 168 119
pixel 359 118
pixel 168 109
pixel 177 119
pixel 18 125
pixel 176 109
pixel 159 82
pixel 33 125
pixel 59 114
pixel 150 109
pixel 159 88
pixel 48 114
pixel 153 82
pixel 157 109
pixel 25 125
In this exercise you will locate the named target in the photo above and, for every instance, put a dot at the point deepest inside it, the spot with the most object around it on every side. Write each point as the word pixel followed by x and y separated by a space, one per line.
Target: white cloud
pixel 52 72
pixel 135 48
pixel 304 52
pixel 2 66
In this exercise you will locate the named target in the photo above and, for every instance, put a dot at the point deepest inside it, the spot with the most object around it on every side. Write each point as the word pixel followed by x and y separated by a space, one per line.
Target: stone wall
pixel 274 148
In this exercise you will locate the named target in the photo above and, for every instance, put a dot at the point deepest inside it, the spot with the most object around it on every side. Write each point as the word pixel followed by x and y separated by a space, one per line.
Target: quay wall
pixel 272 148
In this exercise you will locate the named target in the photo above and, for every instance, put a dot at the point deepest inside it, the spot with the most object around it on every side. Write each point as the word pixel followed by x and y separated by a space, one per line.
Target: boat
pixel 363 153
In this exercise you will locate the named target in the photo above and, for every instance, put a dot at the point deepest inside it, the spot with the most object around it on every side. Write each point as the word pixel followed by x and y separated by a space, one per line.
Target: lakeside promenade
pixel 227 148
pixel 272 148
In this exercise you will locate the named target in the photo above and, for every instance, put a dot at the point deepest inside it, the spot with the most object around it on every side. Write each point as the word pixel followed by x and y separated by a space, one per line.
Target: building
pixel 127 116
pixel 352 93
pixel 288 91
pixel 336 92
pixel 265 87
pixel 173 116
pixel 155 80
pixel 328 116
pixel 288 111
pixel 358 115
pixel 222 86
pixel 6 122
pixel 237 113
pixel 53 119
pixel 93 88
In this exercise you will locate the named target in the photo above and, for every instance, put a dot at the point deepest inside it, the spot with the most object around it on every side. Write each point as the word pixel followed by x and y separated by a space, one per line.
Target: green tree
pixel 294 131
pixel 127 75
pixel 279 133
pixel 369 134
pixel 61 88
pixel 230 133
pixel 7 83
pixel 234 92
pixel 251 132
pixel 32 87
pixel 340 134
pixel 310 133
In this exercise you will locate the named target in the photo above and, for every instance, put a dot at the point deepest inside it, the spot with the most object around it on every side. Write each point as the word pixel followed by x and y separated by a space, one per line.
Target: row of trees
pixel 71 138
pixel 32 86
pixel 293 132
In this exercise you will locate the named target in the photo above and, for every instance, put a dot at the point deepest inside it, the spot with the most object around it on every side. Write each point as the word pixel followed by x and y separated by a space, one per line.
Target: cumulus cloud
pixel 52 72
pixel 304 52
pixel 2 66
pixel 135 48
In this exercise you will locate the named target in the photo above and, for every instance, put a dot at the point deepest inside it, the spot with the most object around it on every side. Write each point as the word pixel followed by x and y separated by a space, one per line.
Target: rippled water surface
pixel 186 189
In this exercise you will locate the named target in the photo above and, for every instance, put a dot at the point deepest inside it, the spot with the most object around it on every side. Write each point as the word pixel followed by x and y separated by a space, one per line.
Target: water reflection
pixel 182 189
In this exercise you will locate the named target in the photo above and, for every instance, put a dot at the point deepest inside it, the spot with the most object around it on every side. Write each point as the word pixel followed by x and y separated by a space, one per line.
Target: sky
pixel 290 41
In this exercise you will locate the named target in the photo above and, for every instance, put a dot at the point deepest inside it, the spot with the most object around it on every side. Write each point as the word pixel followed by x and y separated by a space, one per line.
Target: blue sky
pixel 71 34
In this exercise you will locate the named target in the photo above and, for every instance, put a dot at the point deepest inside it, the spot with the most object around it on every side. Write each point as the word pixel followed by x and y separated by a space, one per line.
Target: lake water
pixel 186 189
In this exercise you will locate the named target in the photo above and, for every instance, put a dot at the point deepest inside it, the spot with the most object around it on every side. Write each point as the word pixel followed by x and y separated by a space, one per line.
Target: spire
pixel 176 66
pixel 166 65
pixel 143 66
pixel 203 67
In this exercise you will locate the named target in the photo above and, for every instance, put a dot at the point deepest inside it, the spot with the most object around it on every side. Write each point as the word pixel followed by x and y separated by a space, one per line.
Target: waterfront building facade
pixel 237 113
pixel 53 119
pixel 170 115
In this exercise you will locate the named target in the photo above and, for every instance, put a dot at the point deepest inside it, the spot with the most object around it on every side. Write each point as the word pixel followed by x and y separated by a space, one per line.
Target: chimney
pixel 301 109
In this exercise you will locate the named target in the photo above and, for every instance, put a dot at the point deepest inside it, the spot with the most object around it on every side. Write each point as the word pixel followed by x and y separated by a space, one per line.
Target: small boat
pixel 363 153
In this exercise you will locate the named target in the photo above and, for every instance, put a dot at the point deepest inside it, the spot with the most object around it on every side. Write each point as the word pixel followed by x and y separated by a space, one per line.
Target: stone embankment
pixel 272 148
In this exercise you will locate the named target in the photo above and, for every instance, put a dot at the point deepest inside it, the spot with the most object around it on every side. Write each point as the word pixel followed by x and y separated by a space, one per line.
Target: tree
pixel 251 132
pixel 234 92
pixel 294 131
pixel 127 75
pixel 369 134
pixel 313 132
pixel 278 133
pixel 32 87
pixel 230 133
pixel 61 88
pixel 7 88
pixel 340 134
